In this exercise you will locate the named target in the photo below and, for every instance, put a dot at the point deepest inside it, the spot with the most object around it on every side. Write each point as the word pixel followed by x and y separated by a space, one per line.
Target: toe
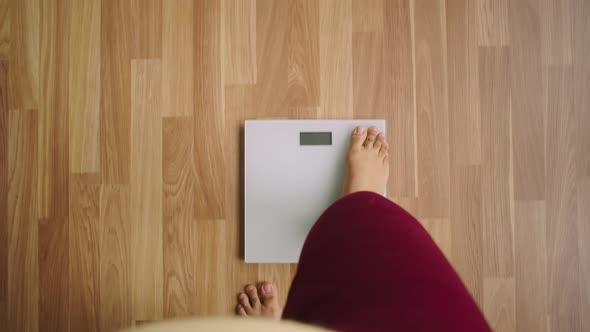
pixel 371 136
pixel 253 295
pixel 379 142
pixel 269 294
pixel 359 134
pixel 240 311
pixel 384 150
pixel 245 303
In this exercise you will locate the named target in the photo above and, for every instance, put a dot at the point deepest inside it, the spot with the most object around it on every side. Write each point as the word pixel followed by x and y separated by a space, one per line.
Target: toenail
pixel 267 288
pixel 372 128
pixel 242 296
pixel 360 130
pixel 250 288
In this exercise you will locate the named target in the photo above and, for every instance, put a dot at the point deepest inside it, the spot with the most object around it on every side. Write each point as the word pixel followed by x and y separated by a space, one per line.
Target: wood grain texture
pixel 467 228
pixel 581 68
pixel 209 118
pixel 3 193
pixel 462 64
pixel 180 257
pixel 367 69
pixel 145 187
pixel 495 167
pixel 562 231
pixel 272 61
pixel 492 22
pixel 4 30
pixel 239 105
pixel 399 97
pixel 115 258
pixel 177 58
pixel 584 249
pixel 530 271
pixel 84 86
pixel 239 41
pixel 556 32
pixel 121 146
pixel 24 55
pixel 367 15
pixel 526 101
pixel 84 264
pixel 23 234
pixel 215 295
pixel 431 109
pixel 335 59
pixel 53 113
pixel 116 34
pixel 304 54
pixel 499 303
pixel 440 231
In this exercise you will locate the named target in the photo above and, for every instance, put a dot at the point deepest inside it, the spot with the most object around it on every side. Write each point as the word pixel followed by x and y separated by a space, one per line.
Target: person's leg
pixel 369 265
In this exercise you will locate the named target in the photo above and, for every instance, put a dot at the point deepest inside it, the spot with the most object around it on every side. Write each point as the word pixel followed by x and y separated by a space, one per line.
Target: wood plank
pixel 399 98
pixel 556 32
pixel 581 49
pixel 431 109
pixel 209 113
pixel 145 17
pixel 4 30
pixel 53 113
pixel 367 70
pixel 440 231
pixel 24 54
pixel 145 186
pixel 584 250
pixel 467 228
pixel 215 292
pixel 53 266
pixel 463 82
pixel 3 193
pixel 22 227
pixel 367 15
pixel 526 100
pixel 499 304
pixel 84 268
pixel 53 163
pixel 239 41
pixel 239 105
pixel 177 58
pixel 272 57
pixel 492 22
pixel 84 86
pixel 115 258
pixel 180 234
pixel 495 168
pixel 116 36
pixel 561 176
pixel 304 54
pixel 335 59
pixel 530 266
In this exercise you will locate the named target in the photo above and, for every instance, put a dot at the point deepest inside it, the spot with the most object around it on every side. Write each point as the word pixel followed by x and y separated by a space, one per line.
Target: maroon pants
pixel 368 265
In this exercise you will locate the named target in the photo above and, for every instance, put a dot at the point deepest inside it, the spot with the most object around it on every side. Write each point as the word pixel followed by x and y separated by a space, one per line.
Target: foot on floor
pixel 261 302
pixel 367 164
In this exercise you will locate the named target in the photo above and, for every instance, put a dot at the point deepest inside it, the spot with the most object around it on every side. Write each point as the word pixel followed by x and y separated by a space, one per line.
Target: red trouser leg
pixel 367 264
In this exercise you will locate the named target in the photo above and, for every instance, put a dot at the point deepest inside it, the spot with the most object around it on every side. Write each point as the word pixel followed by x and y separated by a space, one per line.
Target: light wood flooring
pixel 120 146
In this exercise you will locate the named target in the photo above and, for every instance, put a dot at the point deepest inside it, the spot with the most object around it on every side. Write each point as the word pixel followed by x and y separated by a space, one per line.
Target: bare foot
pixel 261 302
pixel 367 164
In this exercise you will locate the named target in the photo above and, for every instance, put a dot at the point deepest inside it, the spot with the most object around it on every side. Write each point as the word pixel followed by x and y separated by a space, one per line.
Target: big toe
pixel 359 134
pixel 269 295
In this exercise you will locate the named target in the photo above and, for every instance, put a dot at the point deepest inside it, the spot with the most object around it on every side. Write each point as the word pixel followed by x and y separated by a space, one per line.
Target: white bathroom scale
pixel 293 171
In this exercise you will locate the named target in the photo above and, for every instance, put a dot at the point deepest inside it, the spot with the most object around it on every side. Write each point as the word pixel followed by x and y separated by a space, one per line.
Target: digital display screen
pixel 315 138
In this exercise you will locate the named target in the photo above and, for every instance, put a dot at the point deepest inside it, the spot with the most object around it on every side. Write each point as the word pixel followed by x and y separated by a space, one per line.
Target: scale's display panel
pixel 293 171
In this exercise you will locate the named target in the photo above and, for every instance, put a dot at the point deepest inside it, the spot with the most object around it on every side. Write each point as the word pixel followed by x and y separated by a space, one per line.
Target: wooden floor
pixel 120 146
